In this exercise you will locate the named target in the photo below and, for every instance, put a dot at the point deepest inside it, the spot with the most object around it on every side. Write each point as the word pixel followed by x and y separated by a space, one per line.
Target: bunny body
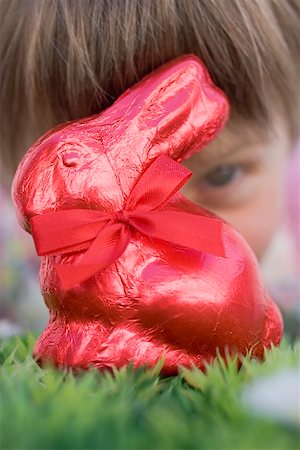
pixel 156 299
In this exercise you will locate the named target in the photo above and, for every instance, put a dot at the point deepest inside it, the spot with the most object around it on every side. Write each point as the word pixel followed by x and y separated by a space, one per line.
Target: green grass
pixel 47 409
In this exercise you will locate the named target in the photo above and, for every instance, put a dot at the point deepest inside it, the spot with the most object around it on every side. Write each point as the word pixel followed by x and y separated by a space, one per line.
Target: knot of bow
pixel 104 236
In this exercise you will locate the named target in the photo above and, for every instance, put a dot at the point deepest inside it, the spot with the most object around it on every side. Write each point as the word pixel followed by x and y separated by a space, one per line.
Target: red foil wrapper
pixel 100 186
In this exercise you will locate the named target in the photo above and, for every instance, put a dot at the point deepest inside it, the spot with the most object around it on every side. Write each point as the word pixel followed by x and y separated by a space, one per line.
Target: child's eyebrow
pixel 211 155
pixel 220 152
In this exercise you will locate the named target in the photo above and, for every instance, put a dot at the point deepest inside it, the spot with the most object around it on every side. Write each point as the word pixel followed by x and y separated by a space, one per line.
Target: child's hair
pixel 66 59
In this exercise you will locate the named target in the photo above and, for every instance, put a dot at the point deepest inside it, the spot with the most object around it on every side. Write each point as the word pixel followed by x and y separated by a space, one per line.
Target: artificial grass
pixel 48 409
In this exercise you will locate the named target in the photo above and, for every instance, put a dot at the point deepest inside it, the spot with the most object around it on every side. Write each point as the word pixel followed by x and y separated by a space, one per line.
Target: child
pixel 66 59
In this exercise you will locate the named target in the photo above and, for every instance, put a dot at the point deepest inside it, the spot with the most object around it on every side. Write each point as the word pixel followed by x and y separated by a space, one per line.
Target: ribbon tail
pixel 203 234
pixel 71 275
pixel 109 245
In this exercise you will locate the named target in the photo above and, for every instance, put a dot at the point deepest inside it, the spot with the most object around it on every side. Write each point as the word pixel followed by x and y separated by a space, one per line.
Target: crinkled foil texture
pixel 156 301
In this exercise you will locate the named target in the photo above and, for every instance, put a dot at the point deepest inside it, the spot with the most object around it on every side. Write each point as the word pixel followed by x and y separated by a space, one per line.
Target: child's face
pixel 240 177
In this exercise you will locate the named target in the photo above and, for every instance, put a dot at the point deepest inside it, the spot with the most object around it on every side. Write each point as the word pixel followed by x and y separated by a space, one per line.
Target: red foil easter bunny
pixel 131 270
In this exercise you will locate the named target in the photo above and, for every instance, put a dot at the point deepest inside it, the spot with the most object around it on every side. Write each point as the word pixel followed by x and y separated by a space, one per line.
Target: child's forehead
pixel 243 138
pixel 236 136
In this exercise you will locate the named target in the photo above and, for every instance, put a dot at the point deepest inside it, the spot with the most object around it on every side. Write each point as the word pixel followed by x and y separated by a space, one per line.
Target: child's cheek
pixel 258 218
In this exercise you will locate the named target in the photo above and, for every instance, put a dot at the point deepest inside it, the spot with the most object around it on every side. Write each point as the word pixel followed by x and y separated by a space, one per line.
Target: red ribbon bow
pixel 106 235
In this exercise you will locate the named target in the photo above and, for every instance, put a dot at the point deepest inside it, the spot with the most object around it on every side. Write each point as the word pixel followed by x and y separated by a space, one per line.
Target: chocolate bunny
pixel 151 296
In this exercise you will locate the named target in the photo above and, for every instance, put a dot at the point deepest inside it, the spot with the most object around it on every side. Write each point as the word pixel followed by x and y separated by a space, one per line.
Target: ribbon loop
pixel 162 179
pixel 105 236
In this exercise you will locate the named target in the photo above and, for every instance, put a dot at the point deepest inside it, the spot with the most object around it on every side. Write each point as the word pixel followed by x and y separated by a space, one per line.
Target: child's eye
pixel 221 175
pixel 220 186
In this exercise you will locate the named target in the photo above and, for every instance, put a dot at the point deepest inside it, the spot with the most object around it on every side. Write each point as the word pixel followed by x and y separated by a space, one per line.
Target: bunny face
pixel 93 163
pixel 62 173
pixel 153 299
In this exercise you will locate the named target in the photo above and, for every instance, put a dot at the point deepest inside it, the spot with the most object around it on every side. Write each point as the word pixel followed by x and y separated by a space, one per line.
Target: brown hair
pixel 66 59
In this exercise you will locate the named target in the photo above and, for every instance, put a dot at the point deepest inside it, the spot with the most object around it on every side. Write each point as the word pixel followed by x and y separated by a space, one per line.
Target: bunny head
pixel 94 162
pixel 151 299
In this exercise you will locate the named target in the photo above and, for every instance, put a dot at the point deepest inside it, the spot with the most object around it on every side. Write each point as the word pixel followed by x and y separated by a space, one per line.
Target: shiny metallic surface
pixel 156 300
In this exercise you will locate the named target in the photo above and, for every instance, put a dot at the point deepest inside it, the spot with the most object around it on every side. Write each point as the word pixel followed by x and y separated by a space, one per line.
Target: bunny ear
pixel 176 110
